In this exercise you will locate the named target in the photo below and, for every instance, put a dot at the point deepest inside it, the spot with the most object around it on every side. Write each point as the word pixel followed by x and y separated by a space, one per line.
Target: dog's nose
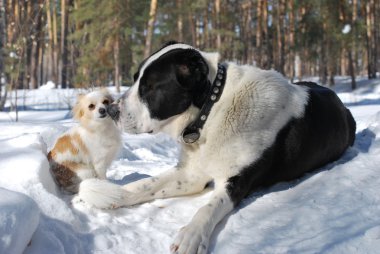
pixel 102 111
pixel 113 111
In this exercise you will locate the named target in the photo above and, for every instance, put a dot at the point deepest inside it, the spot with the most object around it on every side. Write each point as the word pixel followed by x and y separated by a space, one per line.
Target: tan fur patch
pixel 79 141
pixel 64 144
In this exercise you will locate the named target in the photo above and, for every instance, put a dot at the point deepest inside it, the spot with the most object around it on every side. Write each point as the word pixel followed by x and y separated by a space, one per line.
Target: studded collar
pixel 192 132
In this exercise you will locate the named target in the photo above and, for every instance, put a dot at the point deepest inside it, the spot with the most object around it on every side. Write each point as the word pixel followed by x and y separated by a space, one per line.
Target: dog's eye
pixel 91 106
pixel 106 102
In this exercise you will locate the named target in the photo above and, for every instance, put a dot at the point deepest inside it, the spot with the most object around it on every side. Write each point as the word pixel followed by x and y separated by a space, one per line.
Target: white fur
pixel 97 140
pixel 101 193
pixel 254 106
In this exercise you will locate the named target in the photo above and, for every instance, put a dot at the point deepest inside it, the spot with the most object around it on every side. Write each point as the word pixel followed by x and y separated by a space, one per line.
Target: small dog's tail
pixel 102 193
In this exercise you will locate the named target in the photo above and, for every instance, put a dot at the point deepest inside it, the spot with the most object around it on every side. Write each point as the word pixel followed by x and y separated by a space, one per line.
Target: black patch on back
pixel 173 82
pixel 321 136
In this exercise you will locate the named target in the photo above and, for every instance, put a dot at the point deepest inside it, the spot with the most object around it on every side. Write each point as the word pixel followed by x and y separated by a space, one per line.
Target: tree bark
pixel 291 41
pixel 56 47
pixel 246 33
pixel 64 51
pixel 207 35
pixel 192 28
pixel 371 38
pixel 265 59
pixel 116 55
pixel 3 40
pixel 179 20
pixel 51 46
pixel 259 25
pixel 36 44
pixel 280 37
pixel 150 28
pixel 352 70
pixel 218 41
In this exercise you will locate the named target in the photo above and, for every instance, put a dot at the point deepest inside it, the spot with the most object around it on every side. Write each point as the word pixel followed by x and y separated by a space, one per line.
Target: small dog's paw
pixel 191 239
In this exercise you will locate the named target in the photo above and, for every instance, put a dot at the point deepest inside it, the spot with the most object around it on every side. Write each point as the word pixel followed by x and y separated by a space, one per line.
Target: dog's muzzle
pixel 113 111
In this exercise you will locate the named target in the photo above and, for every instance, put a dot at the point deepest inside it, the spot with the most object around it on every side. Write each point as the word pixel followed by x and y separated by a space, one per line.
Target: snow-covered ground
pixel 334 210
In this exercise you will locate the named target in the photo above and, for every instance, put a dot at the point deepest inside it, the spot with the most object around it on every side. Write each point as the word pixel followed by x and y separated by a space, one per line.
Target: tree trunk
pixel 206 29
pixel 351 50
pixel 352 70
pixel 192 28
pixel 280 38
pixel 36 44
pixel 259 25
pixel 217 25
pixel 197 32
pixel 291 41
pixel 28 31
pixel 51 75
pixel 265 58
pixel 64 51
pixel 150 28
pixel 371 38
pixel 374 21
pixel 179 20
pixel 56 47
pixel 3 40
pixel 116 55
pixel 246 29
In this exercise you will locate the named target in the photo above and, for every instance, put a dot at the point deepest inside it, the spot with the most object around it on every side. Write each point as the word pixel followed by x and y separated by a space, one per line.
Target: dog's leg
pixel 194 238
pixel 175 182
pixel 100 167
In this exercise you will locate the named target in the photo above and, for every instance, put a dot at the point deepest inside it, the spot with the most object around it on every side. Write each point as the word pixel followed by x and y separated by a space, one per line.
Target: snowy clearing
pixel 334 210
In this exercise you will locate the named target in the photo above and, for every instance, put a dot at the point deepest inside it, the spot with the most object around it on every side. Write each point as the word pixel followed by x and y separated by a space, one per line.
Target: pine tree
pixel 103 37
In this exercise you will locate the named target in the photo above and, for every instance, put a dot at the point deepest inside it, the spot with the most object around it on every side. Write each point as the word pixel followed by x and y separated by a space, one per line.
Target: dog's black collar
pixel 192 132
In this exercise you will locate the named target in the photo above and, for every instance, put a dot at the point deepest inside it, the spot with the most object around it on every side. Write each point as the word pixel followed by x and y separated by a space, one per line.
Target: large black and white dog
pixel 241 128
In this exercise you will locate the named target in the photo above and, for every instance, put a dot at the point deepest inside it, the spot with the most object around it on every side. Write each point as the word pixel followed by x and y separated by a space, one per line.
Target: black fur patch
pixel 321 136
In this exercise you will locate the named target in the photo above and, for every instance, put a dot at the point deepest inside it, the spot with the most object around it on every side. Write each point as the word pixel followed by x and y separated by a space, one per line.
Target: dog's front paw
pixel 191 239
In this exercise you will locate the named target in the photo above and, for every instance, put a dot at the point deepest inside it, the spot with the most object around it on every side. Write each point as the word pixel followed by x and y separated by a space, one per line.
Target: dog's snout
pixel 102 111
pixel 114 111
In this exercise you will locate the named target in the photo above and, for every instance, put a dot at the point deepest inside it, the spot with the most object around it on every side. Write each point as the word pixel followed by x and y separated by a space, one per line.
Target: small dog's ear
pixel 77 109
pixel 79 96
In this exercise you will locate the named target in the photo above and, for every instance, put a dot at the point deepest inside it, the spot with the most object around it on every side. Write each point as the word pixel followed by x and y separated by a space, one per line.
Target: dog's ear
pixel 191 69
pixel 77 109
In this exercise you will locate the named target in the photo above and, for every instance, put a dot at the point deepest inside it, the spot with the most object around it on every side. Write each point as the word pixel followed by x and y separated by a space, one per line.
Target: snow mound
pixel 49 85
pixel 19 218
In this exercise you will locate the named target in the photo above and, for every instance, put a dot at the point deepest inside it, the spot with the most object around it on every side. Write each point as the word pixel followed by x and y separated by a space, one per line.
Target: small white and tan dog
pixel 86 150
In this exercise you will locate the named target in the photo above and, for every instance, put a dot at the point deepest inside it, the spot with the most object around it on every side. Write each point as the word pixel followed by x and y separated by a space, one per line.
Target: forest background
pixel 85 43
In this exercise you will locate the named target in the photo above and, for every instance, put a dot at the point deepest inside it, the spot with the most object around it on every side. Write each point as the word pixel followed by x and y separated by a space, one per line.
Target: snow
pixel 49 85
pixel 346 29
pixel 333 210
pixel 19 218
